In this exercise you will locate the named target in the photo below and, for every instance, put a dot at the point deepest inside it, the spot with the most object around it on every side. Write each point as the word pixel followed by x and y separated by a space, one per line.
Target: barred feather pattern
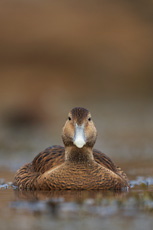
pixel 49 171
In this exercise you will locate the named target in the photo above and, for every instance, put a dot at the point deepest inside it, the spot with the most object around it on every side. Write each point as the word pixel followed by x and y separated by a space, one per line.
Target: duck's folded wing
pixel 26 176
pixel 48 159
pixel 105 161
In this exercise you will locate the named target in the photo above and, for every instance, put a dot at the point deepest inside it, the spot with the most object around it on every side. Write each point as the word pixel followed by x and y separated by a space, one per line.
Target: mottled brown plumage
pixel 77 166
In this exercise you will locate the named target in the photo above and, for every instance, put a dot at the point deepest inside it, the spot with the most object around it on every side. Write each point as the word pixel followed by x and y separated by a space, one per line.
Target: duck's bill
pixel 79 137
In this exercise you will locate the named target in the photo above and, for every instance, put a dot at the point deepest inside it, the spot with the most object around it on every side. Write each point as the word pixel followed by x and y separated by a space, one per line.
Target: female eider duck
pixel 76 165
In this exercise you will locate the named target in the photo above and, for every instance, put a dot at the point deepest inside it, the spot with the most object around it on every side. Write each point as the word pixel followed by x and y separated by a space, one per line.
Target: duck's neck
pixel 78 155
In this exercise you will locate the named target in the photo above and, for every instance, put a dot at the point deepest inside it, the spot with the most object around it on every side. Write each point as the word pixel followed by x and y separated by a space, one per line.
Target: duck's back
pixel 50 159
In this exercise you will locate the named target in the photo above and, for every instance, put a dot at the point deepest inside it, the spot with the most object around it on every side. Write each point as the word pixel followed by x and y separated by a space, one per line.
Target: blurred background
pixel 56 55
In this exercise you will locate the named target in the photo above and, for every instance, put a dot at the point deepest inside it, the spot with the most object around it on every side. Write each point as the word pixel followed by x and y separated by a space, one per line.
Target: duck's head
pixel 79 129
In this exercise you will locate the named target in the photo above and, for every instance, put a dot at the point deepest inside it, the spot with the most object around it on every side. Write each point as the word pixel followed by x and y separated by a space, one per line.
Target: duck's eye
pixel 89 119
pixel 69 118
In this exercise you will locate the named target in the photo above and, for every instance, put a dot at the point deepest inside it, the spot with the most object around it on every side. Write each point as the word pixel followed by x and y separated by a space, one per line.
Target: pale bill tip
pixel 79 143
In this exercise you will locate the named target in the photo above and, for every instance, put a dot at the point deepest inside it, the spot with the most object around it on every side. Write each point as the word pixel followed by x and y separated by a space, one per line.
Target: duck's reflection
pixel 67 195
pixel 69 203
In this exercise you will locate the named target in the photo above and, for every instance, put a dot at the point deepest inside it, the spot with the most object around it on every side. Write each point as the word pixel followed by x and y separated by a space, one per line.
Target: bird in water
pixel 76 165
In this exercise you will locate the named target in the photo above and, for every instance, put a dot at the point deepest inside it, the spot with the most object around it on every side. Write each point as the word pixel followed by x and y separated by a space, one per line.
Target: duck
pixel 77 165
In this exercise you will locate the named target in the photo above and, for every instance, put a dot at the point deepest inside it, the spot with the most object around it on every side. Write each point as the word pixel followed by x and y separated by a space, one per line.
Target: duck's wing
pixel 48 159
pixel 105 161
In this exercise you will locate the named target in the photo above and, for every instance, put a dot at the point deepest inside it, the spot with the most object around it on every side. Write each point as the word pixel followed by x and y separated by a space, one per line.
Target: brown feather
pixel 52 157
